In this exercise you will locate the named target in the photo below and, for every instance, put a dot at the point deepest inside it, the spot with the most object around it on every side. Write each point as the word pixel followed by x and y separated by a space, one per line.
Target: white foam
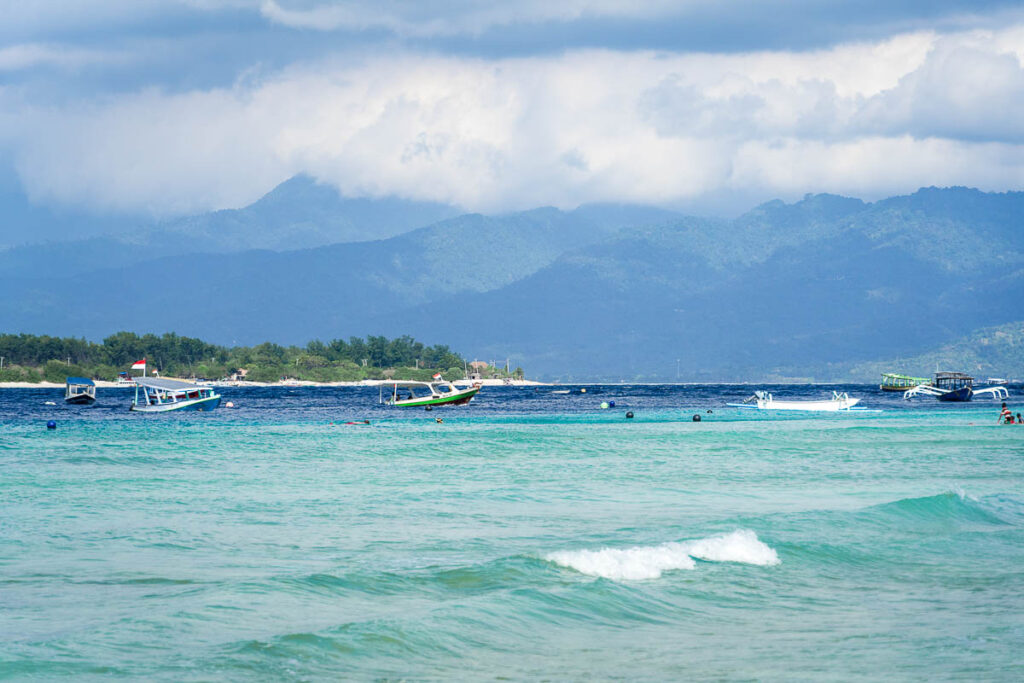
pixel 741 546
pixel 648 562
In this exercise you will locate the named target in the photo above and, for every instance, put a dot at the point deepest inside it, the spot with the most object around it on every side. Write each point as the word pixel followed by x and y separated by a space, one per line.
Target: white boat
pixel 158 395
pixel 762 400
pixel 79 390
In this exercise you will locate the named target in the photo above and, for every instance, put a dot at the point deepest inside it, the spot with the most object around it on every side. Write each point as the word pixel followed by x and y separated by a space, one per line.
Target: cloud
pixel 870 119
pixel 453 17
pixel 30 55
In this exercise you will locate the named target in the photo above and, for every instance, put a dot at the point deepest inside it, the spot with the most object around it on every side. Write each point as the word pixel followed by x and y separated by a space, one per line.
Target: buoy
pixel 49 403
pixel 583 391
pixel 51 424
pixel 611 404
pixel 696 418
pixel 229 404
pixel 629 415
pixel 604 405
pixel 429 408
pixel 710 411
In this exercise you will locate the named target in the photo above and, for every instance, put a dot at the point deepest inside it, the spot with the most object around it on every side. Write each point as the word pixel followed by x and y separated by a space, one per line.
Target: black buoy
pixel 611 404
pixel 52 424
pixel 429 408
pixel 629 415
pixel 710 411
pixel 696 418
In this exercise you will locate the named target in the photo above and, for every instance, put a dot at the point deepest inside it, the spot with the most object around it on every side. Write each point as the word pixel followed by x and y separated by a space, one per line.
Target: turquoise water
pixel 529 535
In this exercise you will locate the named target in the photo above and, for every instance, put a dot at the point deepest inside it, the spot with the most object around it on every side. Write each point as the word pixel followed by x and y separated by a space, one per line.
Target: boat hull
pixel 457 399
pixel 957 395
pixel 196 404
pixel 80 400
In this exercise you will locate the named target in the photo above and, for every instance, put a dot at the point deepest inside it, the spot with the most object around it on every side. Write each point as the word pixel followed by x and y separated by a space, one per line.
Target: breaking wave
pixel 648 562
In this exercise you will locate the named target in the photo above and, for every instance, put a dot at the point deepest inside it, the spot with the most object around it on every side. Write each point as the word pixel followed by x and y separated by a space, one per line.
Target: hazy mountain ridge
pixel 817 286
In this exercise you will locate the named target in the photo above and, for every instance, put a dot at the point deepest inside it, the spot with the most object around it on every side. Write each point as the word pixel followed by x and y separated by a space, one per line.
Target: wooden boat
pixel 762 400
pixel 427 394
pixel 79 391
pixel 894 382
pixel 158 395
pixel 955 387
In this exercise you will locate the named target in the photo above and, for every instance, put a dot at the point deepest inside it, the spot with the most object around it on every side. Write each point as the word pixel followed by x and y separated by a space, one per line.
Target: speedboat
pixel 956 387
pixel 762 400
pixel 427 394
pixel 79 391
pixel 159 395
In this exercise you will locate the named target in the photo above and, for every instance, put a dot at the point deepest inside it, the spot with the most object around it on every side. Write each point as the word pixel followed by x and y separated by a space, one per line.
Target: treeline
pixel 32 358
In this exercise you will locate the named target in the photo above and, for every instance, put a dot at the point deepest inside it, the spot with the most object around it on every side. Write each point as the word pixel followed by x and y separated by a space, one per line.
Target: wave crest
pixel 648 562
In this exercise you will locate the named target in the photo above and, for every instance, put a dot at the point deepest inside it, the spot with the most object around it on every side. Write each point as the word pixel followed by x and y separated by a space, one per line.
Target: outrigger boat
pixel 158 395
pixel 79 391
pixel 427 394
pixel 955 387
pixel 762 400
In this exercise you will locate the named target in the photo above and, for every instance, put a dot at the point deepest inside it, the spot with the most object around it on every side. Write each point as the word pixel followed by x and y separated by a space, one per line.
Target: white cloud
pixel 452 17
pixel 28 55
pixel 866 119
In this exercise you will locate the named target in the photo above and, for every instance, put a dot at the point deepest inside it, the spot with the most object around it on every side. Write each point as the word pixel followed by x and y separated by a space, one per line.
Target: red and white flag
pixel 139 364
pixel 437 375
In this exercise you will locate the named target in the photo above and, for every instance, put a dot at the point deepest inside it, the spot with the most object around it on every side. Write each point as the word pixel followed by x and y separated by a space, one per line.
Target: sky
pixel 162 109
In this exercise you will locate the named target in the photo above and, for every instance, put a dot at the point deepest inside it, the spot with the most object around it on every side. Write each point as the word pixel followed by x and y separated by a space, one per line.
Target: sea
pixel 531 535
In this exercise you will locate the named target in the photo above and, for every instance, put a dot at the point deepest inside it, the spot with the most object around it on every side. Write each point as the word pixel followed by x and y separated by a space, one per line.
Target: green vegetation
pixel 31 358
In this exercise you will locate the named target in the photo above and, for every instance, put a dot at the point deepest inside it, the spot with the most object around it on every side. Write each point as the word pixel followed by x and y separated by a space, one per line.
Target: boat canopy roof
pixel 952 375
pixel 165 384
pixel 416 384
pixel 84 381
pixel 894 375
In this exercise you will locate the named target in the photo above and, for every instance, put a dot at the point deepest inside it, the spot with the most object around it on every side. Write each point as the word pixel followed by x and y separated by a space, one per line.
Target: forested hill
pixel 31 358
pixel 805 289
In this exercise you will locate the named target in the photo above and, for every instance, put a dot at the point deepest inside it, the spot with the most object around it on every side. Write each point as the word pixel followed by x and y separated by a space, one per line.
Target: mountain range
pixel 817 289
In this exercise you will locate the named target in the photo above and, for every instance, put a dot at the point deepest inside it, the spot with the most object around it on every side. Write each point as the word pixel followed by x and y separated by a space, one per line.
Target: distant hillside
pixel 298 214
pixel 810 289
pixel 990 352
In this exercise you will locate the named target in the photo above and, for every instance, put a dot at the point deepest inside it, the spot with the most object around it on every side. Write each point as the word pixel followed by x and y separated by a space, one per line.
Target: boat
pixel 762 400
pixel 79 391
pixel 125 380
pixel 894 382
pixel 160 395
pixel 427 394
pixel 956 387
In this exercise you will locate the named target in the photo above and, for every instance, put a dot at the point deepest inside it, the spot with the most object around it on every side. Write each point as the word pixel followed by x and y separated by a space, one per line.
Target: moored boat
pixel 428 394
pixel 762 400
pixel 158 395
pixel 892 381
pixel 79 391
pixel 955 387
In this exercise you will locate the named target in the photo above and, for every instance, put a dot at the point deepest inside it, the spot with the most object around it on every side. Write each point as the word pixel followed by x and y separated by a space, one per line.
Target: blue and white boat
pixel 956 387
pixel 158 395
pixel 79 391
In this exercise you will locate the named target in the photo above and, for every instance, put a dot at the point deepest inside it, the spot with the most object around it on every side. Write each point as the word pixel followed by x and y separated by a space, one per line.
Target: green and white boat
pixel 427 394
